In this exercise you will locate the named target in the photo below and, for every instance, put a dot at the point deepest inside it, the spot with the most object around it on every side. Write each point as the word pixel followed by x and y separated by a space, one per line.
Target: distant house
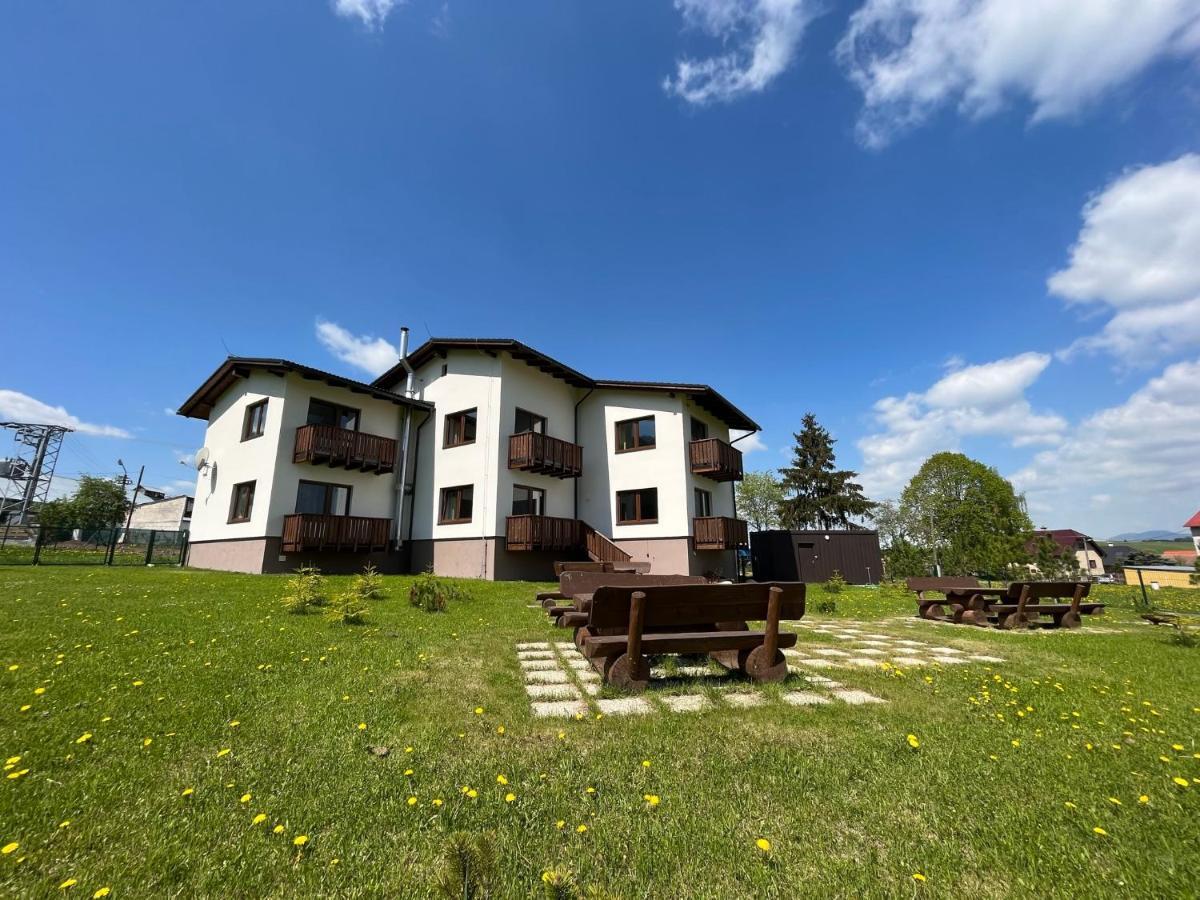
pixel 1180 557
pixel 168 514
pixel 1155 577
pixel 1089 555
pixel 1193 525
pixel 1116 554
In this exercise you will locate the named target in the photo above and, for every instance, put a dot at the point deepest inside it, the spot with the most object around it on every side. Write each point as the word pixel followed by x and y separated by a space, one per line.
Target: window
pixel 323 499
pixel 703 503
pixel 528 501
pixel 456 505
pixel 635 434
pixel 527 421
pixel 322 412
pixel 699 429
pixel 255 420
pixel 242 502
pixel 460 429
pixel 637 507
pixel 1091 564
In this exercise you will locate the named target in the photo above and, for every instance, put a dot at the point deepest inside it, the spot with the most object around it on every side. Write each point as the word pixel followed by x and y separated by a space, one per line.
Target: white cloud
pixel 761 36
pixel 912 57
pixel 371 13
pixel 971 401
pixel 1138 255
pixel 18 407
pixel 1130 467
pixel 372 355
pixel 747 444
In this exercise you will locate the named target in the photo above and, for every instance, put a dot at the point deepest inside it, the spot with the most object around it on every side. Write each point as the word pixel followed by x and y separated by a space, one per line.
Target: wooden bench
pixel 572 584
pixel 1024 604
pixel 587 565
pixel 626 624
pixel 955 589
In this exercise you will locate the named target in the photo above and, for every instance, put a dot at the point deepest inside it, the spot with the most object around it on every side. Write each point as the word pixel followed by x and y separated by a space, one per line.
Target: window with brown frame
pixel 528 501
pixel 703 503
pixel 527 421
pixel 242 502
pixel 455 507
pixel 321 498
pixel 459 429
pixel 635 434
pixel 699 429
pixel 255 420
pixel 322 412
pixel 638 507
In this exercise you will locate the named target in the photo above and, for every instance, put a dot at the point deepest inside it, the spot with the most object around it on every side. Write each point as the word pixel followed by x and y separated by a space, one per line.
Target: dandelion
pixel 913 742
pixel 479 710
pixel 499 729
pixel 64 823
pixel 1177 746
pixel 509 797
pixel 146 742
pixel 560 824
pixel 39 691
pixel 70 882
pixel 472 793
pixel 437 801
pixel 234 724
pixel 408 771
pixel 84 738
pixel 17 774
pixel 9 848
pixel 1100 831
pixel 763 844
pixel 278 829
pixel 500 779
pixel 1016 743
pixel 137 684
pixel 412 801
pixel 1182 782
pixel 362 726
pixel 187 792
pixel 26 708
pixel 13 667
pixel 102 892
pixel 562 735
pixel 580 829
pixel 300 840
pixel 1114 801
pixel 917 876
pixel 259 819
pixel 652 799
pixel 645 763
pixel 224 752
pixel 245 798
pixel 12 760
pixel 1144 799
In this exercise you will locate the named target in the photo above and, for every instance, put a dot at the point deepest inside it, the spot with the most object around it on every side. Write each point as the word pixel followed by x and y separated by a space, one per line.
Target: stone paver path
pixel 861 648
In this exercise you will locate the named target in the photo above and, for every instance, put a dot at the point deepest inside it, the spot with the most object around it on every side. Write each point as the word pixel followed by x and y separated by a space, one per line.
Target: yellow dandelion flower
pixel 645 763
pixel 137 684
pixel 70 882
pixel 1144 799
pixel 146 742
pixel 510 797
pixel 1016 743
pixel 913 742
pixel 499 729
pixel 412 801
pixel 560 824
pixel 917 876
pixel 408 749
pixel 13 667
pixel 1100 831
pixel 259 819
pixel 590 790
pixel 64 823
pixel 9 848
pixel 580 829
pixel 1177 746
pixel 223 752
pixel 1114 801
pixel 39 691
pixel 84 738
pixel 300 840
pixel 102 892
pixel 187 792
pixel 437 801
pixel 479 710
pixel 562 735
pixel 245 798
pixel 362 726
pixel 1182 782
pixel 408 771
pixel 12 760
pixel 472 793
pixel 652 799
pixel 26 708
pixel 234 724
pixel 500 779
pixel 278 829
pixel 763 844
pixel 16 774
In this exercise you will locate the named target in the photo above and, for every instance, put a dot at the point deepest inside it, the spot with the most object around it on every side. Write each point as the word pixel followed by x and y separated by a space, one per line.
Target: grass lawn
pixel 173 733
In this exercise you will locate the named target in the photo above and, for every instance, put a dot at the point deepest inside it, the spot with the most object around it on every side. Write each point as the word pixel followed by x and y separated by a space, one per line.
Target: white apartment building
pixel 479 458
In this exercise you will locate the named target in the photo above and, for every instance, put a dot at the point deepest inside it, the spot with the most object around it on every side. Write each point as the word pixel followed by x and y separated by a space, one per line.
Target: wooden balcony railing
pixel 719 533
pixel 335 446
pixel 311 531
pixel 533 452
pixel 715 459
pixel 542 533
pixel 600 548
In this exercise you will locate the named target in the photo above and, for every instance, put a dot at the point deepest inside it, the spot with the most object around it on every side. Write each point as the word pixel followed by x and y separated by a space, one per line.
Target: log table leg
pixel 766 662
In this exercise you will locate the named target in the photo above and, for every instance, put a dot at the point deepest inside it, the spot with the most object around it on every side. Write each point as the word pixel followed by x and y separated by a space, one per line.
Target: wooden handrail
pixel 534 452
pixel 341 446
pixel 313 531
pixel 529 532
pixel 716 459
pixel 600 548
pixel 720 533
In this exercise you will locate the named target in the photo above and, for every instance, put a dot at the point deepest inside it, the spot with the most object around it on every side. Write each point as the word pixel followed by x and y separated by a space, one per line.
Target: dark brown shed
pixel 813 556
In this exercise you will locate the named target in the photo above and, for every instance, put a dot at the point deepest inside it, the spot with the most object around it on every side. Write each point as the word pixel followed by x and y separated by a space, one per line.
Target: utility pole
pixel 138 487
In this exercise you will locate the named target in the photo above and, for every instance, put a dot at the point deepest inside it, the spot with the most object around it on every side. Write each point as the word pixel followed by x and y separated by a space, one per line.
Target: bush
pixel 835 583
pixel 469 866
pixel 350 608
pixel 304 589
pixel 827 607
pixel 434 594
pixel 368 585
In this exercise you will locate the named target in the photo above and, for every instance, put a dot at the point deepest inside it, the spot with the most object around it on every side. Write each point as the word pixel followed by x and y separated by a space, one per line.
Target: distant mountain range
pixel 1151 536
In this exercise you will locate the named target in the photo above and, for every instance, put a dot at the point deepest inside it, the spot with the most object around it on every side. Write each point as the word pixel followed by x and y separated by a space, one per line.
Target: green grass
pixel 176 657
pixel 1159 546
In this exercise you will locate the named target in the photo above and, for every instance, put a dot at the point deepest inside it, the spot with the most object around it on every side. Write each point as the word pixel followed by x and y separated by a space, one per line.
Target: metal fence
pixel 36 545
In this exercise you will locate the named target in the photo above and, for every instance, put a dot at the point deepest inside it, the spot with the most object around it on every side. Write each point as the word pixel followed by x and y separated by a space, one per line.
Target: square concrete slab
pixel 532 664
pixel 829 651
pixel 684 702
pixel 565 645
pixel 856 698
pixel 588 675
pixel 870 651
pixel 578 662
pixel 624 706
pixel 987 659
pixel 805 698
pixel 562 708
pixel 743 701
pixel 535 654
pixel 555 676
pixel 950 660
pixel 863 662
pixel 551 691
pixel 821 680
pixel 908 661
pixel 534 645
pixel 591 689
pixel 819 664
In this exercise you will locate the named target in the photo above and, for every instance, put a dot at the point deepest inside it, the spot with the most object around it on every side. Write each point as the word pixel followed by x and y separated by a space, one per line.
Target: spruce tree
pixel 816 493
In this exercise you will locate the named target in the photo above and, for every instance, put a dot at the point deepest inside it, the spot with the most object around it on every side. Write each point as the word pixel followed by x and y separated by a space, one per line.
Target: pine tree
pixel 816 493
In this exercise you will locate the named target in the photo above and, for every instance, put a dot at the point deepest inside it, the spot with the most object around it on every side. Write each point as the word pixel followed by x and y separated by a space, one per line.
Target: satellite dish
pixel 202 456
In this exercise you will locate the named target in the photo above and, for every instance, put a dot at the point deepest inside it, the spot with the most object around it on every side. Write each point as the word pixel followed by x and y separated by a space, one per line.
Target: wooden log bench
pixel 963 594
pixel 1025 602
pixel 587 565
pixel 627 624
pixel 573 585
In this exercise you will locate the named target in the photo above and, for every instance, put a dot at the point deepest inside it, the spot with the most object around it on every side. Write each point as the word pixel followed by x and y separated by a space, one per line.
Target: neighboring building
pixel 169 514
pixel 1179 557
pixel 1116 554
pixel 1089 556
pixel 512 460
pixel 813 556
pixel 1155 577
pixel 1193 525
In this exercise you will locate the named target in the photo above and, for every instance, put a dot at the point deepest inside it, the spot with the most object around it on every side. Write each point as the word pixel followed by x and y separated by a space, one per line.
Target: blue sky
pixel 975 230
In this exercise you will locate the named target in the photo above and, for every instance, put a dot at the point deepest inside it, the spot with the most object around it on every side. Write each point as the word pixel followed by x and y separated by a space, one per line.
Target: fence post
pixel 183 546
pixel 150 547
pixel 112 547
pixel 37 545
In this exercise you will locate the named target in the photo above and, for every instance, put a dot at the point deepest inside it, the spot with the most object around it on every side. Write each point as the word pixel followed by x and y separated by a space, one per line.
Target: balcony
pixel 311 531
pixel 719 533
pixel 715 459
pixel 542 533
pixel 333 446
pixel 545 455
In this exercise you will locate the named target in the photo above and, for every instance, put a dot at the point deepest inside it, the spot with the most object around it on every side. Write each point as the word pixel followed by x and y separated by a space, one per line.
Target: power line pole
pixel 133 503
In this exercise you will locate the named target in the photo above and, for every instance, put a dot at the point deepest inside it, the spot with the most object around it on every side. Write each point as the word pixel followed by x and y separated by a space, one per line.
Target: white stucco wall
pixel 722 492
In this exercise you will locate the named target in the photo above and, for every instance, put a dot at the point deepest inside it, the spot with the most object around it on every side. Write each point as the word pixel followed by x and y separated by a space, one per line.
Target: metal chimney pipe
pixel 402 479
